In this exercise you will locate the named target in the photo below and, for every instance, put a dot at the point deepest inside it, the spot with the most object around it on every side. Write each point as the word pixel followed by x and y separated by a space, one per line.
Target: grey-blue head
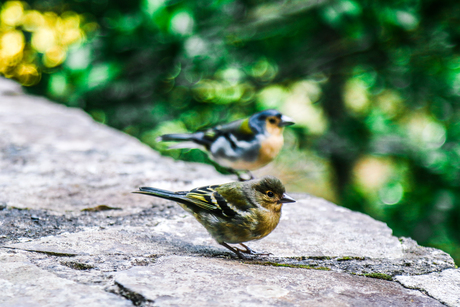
pixel 269 120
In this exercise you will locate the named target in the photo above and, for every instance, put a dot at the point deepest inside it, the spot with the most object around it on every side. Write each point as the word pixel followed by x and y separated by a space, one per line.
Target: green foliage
pixel 374 87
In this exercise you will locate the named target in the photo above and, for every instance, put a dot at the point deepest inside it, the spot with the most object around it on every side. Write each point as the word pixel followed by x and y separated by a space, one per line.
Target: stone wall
pixel 72 234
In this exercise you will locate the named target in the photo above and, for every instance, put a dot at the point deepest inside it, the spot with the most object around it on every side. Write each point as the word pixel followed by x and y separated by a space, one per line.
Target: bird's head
pixel 270 192
pixel 270 121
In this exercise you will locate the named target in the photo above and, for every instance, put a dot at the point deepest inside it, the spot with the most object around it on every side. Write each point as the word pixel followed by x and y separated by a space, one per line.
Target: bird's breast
pixel 267 223
pixel 256 225
pixel 269 148
pixel 248 155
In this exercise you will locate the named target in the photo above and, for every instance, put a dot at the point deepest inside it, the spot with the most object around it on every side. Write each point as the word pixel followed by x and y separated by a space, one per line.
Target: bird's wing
pixel 209 199
pixel 239 127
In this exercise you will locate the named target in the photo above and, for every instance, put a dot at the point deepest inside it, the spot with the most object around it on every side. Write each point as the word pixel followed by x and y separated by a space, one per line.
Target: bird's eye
pixel 272 121
pixel 270 194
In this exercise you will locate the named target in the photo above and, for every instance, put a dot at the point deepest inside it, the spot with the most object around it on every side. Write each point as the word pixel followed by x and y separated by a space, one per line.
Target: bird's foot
pixel 237 251
pixel 247 250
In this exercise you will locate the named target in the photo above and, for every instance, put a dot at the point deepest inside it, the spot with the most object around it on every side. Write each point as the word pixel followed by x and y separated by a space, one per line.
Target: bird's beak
pixel 287 199
pixel 286 121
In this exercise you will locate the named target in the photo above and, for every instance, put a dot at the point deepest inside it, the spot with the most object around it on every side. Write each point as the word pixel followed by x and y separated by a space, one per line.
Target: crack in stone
pixel 422 291
pixel 77 265
pixel 50 253
pixel 136 298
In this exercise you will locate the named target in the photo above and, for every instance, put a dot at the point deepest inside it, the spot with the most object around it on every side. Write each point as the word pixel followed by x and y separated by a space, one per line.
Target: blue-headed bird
pixel 241 146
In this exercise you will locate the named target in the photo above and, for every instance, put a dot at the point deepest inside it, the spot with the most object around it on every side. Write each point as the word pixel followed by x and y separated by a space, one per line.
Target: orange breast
pixel 270 148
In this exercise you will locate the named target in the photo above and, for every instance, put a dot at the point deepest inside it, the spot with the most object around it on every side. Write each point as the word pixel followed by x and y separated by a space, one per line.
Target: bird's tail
pixel 177 137
pixel 189 140
pixel 175 196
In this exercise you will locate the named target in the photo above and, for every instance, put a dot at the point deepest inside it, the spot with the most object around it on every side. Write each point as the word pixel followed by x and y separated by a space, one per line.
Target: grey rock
pixel 194 281
pixel 304 224
pixel 363 253
pixel 444 286
pixel 9 87
pixel 24 284
pixel 63 161
pixel 57 162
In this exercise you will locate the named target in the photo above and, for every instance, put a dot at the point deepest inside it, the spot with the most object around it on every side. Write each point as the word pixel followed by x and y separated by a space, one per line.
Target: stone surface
pixel 9 87
pixel 363 253
pixel 444 286
pixel 300 233
pixel 24 284
pixel 70 230
pixel 62 160
pixel 193 281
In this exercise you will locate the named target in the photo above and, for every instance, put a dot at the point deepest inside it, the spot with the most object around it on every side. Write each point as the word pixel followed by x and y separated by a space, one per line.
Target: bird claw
pixel 254 253
pixel 246 250
pixel 249 251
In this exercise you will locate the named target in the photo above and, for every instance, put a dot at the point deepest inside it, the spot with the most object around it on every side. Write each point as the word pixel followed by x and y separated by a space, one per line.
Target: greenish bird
pixel 233 213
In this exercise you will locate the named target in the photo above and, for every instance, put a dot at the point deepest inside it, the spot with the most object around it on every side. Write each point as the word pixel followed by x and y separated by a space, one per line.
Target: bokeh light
pixel 51 36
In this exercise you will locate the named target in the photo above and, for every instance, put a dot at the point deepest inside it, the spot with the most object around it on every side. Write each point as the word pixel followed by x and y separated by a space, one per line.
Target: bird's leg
pixel 247 250
pixel 243 175
pixel 235 250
